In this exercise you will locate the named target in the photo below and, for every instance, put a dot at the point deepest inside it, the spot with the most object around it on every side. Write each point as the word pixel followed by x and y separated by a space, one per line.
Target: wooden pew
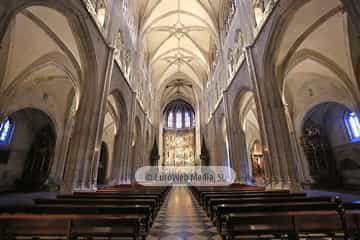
pixel 69 226
pixel 143 212
pixel 137 189
pixel 214 203
pixel 158 196
pixel 199 192
pixel 207 197
pixel 240 219
pixel 290 224
pixel 114 197
pixel 111 212
pixel 352 217
pixel 91 201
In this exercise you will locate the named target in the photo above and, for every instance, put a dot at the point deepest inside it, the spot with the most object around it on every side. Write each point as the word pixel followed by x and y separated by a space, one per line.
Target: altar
pixel 179 147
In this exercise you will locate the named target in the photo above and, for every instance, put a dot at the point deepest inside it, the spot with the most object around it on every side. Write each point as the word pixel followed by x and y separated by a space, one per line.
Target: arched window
pixel 179 114
pixel 170 120
pixel 187 120
pixel 7 128
pixel 100 7
pixel 178 119
pixel 259 9
pixel 352 124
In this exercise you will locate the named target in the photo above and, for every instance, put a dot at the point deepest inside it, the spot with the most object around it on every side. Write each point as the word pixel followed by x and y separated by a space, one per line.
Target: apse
pixel 179 134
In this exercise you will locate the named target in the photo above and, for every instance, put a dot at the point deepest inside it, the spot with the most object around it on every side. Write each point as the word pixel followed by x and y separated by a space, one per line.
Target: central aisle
pixel 181 218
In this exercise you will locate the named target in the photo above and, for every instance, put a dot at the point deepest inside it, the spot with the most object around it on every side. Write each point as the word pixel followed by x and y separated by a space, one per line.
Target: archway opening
pixel 103 161
pixel 179 134
pixel 257 163
pixel 27 147
pixel 112 123
pixel 251 137
pixel 330 137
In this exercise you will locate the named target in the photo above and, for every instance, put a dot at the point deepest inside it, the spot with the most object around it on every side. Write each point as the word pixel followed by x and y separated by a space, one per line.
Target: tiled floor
pixel 181 218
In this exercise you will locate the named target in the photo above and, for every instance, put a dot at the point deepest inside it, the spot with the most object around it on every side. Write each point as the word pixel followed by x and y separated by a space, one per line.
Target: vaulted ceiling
pixel 179 37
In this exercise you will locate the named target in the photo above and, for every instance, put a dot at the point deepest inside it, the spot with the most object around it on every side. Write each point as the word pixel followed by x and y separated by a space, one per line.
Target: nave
pixel 182 218
pixel 181 213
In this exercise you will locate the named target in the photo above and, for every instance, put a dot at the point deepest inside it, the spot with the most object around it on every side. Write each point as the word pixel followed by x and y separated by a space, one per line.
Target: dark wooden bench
pixel 199 194
pixel 198 191
pixel 286 224
pixel 124 212
pixel 143 212
pixel 239 219
pixel 214 203
pixel 93 201
pixel 352 217
pixel 207 197
pixel 160 198
pixel 68 226
pixel 337 219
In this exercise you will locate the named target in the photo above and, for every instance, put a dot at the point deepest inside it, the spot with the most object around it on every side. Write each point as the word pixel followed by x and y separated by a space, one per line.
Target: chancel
pixel 179 119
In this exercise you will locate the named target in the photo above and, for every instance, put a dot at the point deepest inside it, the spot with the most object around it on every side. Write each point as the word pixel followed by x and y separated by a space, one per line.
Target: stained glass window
pixel 179 115
pixel 187 120
pixel 353 126
pixel 178 120
pixel 6 131
pixel 170 120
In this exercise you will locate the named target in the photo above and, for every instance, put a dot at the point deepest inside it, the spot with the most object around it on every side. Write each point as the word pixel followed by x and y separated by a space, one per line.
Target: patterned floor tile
pixel 181 218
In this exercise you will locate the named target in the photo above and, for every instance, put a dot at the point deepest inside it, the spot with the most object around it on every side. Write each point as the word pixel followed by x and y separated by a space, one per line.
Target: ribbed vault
pixel 179 37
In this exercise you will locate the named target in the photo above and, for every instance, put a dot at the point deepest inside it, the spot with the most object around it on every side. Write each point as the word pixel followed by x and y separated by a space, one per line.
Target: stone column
pixel 93 167
pixel 82 145
pixel 115 171
pixel 245 176
pixel 302 165
pixel 130 164
pixel 123 157
pixel 352 7
pixel 280 167
pixel 80 169
pixel 58 169
pixel 238 158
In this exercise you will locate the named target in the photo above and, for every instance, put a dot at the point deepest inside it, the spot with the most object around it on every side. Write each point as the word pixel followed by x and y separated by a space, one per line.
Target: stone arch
pixel 293 42
pixel 257 162
pixel 303 90
pixel 249 131
pixel 114 134
pixel 276 59
pixel 71 52
pixel 77 23
pixel 336 73
pixel 326 144
pixel 31 152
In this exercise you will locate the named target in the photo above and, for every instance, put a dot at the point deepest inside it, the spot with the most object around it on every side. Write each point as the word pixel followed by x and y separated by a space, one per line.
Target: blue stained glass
pixel 6 132
pixel 353 126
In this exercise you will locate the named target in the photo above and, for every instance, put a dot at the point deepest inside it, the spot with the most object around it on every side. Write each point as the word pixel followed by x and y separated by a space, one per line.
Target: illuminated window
pixel 100 9
pixel 259 9
pixel 353 126
pixel 178 115
pixel 187 120
pixel 6 131
pixel 170 120
pixel 178 120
